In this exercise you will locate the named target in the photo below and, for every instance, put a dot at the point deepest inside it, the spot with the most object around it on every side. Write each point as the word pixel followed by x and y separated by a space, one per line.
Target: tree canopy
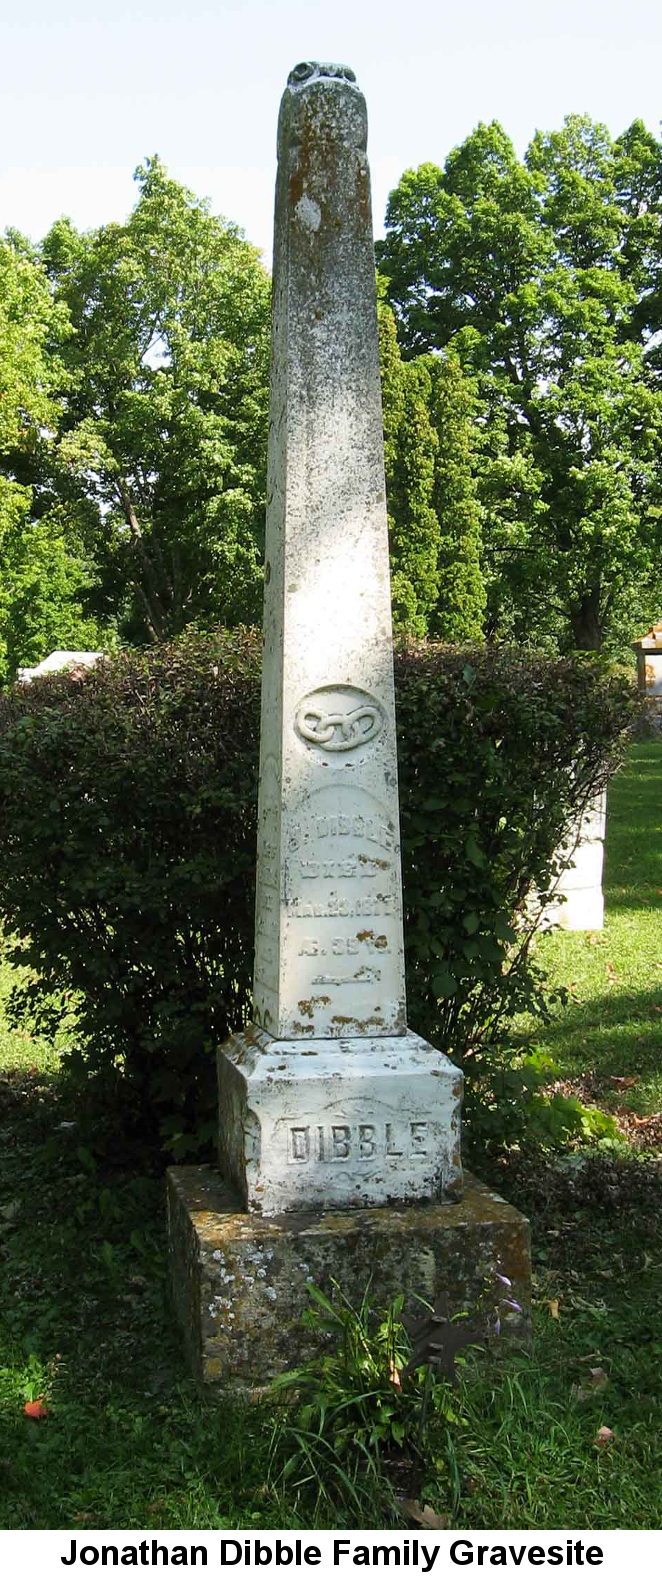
pixel 434 523
pixel 163 434
pixel 143 435
pixel 520 314
pixel 44 571
pixel 543 276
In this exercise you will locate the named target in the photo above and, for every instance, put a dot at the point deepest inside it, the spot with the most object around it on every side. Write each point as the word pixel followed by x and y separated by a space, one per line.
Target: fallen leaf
pixel 603 1437
pixel 36 1409
pixel 553 1305
pixel 425 1517
pixel 599 1379
pixel 596 1380
pixel 623 1082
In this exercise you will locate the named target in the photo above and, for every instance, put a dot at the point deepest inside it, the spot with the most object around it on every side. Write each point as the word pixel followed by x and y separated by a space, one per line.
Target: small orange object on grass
pixel 36 1409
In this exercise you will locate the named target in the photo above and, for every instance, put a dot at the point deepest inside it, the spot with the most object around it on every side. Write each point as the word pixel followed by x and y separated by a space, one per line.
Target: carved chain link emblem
pixel 324 720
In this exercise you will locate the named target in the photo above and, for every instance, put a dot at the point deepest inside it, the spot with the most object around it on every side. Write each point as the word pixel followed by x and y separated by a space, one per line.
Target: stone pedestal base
pixel 239 1281
pixel 316 1123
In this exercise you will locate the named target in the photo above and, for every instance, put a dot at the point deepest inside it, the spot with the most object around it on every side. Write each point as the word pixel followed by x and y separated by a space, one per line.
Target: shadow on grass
pixel 85 1324
pixel 625 888
pixel 128 1443
pixel 633 855
pixel 614 1034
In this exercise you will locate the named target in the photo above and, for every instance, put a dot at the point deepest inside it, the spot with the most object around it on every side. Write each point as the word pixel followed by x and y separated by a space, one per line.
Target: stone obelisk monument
pixel 328 1100
pixel 339 1128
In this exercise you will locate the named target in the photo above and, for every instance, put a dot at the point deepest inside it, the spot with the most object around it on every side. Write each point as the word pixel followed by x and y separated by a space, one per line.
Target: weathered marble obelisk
pixel 328 1099
pixel 339 1129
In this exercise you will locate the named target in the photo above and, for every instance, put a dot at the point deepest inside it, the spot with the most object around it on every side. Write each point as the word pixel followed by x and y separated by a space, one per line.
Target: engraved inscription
pixel 299 1137
pixel 338 719
pixel 338 1142
pixel 345 945
pixel 364 975
pixel 335 905
pixel 340 905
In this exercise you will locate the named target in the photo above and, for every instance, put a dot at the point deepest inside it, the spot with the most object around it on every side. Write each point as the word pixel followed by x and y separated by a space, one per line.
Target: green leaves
pixel 543 278
pixel 43 564
pixel 358 1406
pixel 132 888
pixel 445 985
pixel 162 436
pixel 434 530
pixel 485 798
pixel 473 852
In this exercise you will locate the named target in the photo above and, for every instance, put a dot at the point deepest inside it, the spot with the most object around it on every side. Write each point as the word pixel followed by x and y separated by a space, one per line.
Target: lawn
pixel 608 1042
pixel 86 1327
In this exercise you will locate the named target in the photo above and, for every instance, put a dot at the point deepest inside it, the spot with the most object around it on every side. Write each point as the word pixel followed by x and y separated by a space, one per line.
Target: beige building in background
pixel 648 650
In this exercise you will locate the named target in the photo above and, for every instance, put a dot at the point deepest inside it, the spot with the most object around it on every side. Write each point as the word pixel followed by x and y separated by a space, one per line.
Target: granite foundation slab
pixel 239 1282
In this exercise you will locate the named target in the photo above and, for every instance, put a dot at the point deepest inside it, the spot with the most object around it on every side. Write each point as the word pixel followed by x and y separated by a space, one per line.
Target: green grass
pixel 527 1451
pixel 612 1025
pixel 85 1325
pixel 85 1322
pixel 20 1050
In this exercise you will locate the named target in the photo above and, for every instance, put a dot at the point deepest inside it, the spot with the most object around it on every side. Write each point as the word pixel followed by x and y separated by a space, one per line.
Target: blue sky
pixel 90 88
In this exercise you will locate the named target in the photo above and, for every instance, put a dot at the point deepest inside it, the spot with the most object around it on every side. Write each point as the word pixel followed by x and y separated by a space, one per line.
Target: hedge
pixel 128 831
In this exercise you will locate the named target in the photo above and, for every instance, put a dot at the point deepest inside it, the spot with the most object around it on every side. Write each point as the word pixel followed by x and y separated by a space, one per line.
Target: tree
pixel 410 445
pixel 538 274
pixel 434 530
pixel 162 439
pixel 459 612
pixel 44 573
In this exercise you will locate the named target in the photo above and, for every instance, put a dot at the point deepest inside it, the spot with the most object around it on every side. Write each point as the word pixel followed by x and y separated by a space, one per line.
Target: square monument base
pixel 239 1281
pixel 313 1123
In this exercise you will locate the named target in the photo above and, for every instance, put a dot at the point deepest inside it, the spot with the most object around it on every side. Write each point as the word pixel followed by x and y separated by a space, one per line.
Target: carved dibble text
pixel 339 1142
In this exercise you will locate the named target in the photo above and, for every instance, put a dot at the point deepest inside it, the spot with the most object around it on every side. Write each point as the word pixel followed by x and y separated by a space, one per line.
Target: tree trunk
pixel 587 620
pixel 149 592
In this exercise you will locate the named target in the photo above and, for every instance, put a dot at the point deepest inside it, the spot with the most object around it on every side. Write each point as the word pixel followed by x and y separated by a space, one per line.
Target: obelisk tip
pixel 322 100
pixel 308 71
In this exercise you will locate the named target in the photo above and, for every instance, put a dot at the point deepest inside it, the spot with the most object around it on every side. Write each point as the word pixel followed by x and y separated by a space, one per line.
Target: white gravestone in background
pixel 328 1100
pixel 60 659
pixel 579 902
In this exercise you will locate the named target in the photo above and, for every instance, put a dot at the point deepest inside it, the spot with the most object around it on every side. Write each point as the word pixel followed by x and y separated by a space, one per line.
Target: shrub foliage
pixel 128 832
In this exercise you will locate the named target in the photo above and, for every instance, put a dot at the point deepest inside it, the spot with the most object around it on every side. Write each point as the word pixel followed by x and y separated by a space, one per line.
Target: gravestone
pixel 578 901
pixel 338 1127
pixel 332 1101
pixel 60 659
